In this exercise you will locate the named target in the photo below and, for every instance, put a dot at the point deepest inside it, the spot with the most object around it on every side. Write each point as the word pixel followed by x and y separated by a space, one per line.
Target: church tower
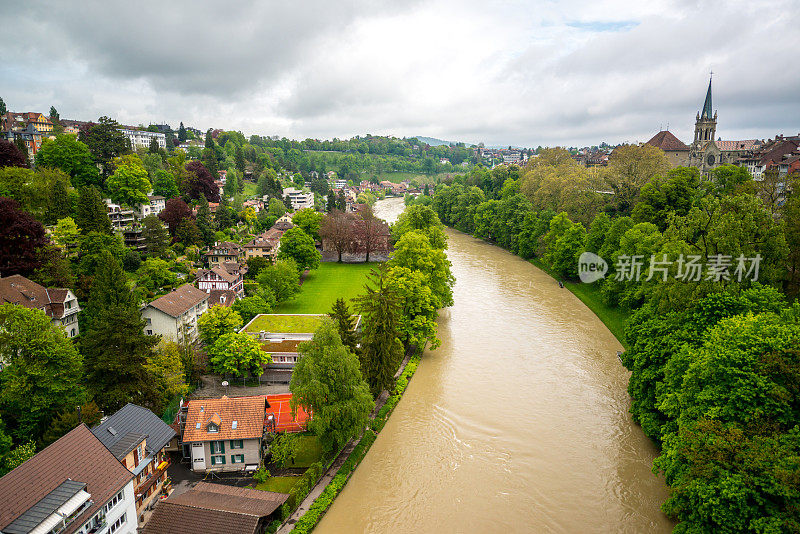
pixel 705 126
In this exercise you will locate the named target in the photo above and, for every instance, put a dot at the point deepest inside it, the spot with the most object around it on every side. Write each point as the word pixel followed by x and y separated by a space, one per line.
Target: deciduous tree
pixel 282 279
pixel 21 236
pixel 73 157
pixel 175 210
pixel 10 156
pixel 129 185
pixel 299 246
pixel 216 322
pixel 238 355
pixel 337 232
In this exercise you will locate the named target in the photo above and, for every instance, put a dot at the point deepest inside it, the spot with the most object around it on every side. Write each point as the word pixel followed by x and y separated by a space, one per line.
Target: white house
pixel 154 206
pixel 174 316
pixel 226 276
pixel 60 304
pixel 74 486
pixel 142 138
pixel 299 199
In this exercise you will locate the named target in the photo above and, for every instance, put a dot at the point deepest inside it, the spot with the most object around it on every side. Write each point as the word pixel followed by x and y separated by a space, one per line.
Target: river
pixel 518 423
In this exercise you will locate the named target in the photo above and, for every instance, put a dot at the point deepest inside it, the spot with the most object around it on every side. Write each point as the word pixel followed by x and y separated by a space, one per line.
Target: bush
pixel 262 475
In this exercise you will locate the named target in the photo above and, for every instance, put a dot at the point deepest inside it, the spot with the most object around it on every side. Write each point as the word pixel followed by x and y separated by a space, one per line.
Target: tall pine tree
pixel 92 213
pixel 182 134
pixel 113 342
pixel 381 349
pixel 346 323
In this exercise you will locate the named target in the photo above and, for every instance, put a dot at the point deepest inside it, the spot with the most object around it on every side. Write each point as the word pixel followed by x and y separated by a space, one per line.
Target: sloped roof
pixel 79 456
pixel 174 518
pixel 180 300
pixel 745 144
pixel 221 297
pixel 16 289
pixel 134 420
pixel 667 142
pixel 231 499
pixel 248 412
pixel 707 112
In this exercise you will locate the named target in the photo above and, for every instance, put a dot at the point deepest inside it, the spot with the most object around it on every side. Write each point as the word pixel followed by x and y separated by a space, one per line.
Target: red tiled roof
pixel 248 412
pixel 16 289
pixel 79 456
pixel 231 499
pixel 180 300
pixel 667 142
pixel 730 146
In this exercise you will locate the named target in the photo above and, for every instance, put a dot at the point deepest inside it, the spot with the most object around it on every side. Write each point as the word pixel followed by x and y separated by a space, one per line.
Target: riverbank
pixel 322 495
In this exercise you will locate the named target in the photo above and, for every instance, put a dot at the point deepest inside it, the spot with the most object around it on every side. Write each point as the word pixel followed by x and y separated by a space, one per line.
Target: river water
pixel 517 423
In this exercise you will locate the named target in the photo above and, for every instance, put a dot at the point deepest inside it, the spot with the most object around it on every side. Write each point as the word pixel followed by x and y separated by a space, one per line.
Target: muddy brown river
pixel 517 423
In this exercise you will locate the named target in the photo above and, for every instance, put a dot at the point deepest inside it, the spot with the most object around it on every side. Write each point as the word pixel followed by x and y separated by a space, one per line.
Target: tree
pixel 153 275
pixel 129 185
pixel 181 133
pixel 43 371
pixel 175 210
pixel 675 193
pixel 92 213
pixel 188 233
pixel 345 323
pixel 66 234
pixel 155 235
pixel 381 349
pixel 423 219
pixel 238 355
pixel 327 380
pixel 417 319
pixel 54 114
pixel 54 269
pixel 630 167
pixel 3 109
pixel 153 148
pixel 73 157
pixel 281 279
pixel 254 266
pixel 200 182
pixel 369 232
pixel 337 232
pixel 10 155
pixel 239 158
pixel 19 142
pixel 299 246
pixel 309 220
pixel 166 367
pixel 105 142
pixel 415 252
pixel 164 185
pixel 249 307
pixel 115 347
pixel 21 236
pixel 17 456
pixel 216 322
pixel 70 418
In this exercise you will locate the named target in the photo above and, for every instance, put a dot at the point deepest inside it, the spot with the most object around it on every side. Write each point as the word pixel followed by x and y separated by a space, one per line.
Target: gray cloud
pixel 523 73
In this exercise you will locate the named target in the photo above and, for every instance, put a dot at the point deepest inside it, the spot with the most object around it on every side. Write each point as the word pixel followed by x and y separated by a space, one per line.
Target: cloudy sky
pixel 527 73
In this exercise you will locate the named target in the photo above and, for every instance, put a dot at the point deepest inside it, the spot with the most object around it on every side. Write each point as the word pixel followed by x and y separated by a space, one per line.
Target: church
pixel 705 152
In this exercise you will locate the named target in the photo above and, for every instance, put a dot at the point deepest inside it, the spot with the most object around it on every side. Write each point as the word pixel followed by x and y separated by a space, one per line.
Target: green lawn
pixel 399 176
pixel 324 285
pixel 285 323
pixel 278 484
pixel 249 189
pixel 310 451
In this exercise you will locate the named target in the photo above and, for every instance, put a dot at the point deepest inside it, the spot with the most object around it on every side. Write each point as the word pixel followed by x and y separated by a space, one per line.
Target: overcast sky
pixel 548 73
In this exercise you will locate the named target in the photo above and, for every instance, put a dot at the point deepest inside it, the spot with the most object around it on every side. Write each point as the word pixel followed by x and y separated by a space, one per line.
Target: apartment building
pixel 174 316
pixel 60 304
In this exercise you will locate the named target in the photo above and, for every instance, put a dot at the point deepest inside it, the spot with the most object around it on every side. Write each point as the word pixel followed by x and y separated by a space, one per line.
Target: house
pixel 283 223
pixel 29 135
pixel 299 199
pixel 74 485
pixel 677 151
pixel 120 217
pixel 221 297
pixel 142 138
pixel 137 438
pixel 133 238
pixel 60 304
pixel 264 245
pixel 154 206
pixel 26 121
pixel 227 276
pixel 174 316
pixel 224 252
pixel 225 434
pixel 216 509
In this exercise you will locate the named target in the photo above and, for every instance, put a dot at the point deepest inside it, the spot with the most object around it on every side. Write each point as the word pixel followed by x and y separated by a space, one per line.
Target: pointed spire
pixel 707 111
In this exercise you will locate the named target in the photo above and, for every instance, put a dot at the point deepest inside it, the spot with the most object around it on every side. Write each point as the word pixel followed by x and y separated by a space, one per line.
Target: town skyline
pixel 570 73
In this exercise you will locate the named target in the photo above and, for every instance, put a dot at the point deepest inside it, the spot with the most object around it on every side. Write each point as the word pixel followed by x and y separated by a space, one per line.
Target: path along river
pixel 518 423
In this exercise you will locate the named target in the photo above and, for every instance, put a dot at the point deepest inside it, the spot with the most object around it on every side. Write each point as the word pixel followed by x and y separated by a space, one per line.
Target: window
pixel 117 524
pixel 237 444
pixel 218 460
pixel 213 428
pixel 149 332
pixel 237 458
pixel 113 502
pixel 217 447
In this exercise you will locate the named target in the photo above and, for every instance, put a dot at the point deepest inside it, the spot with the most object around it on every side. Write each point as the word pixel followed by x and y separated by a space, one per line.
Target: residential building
pixel 142 138
pixel 217 509
pixel 227 276
pixel 221 297
pixel 174 316
pixel 120 217
pixel 23 121
pixel 155 205
pixel 283 223
pixel 677 151
pixel 263 245
pixel 60 305
pixel 339 183
pixel 137 438
pixel 224 252
pixel 29 135
pixel 225 434
pixel 299 199
pixel 72 126
pixel 74 486
pixel 133 238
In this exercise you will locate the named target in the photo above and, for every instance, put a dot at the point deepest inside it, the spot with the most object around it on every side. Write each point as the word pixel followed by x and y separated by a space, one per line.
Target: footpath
pixel 326 478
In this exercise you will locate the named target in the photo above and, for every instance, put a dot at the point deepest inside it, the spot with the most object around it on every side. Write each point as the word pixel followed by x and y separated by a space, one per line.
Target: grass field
pixel 309 451
pixel 249 189
pixel 324 285
pixel 278 484
pixel 302 324
pixel 613 318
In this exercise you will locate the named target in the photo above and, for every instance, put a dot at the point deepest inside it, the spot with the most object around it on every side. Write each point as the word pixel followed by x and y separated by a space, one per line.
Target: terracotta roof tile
pixel 16 289
pixel 746 144
pixel 667 142
pixel 78 455
pixel 248 412
pixel 180 300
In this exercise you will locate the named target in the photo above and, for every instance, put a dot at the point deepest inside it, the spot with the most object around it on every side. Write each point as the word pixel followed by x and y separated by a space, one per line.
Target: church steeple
pixel 705 126
pixel 707 105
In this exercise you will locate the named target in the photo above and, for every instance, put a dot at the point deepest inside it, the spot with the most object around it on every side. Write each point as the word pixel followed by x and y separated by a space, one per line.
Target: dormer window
pixel 212 427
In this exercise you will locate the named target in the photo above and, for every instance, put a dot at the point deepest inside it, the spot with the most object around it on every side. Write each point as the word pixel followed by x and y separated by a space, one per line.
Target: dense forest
pixel 713 329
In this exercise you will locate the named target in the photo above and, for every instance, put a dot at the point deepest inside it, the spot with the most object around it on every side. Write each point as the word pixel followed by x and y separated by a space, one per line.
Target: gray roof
pixel 126 444
pixel 116 431
pixel 45 507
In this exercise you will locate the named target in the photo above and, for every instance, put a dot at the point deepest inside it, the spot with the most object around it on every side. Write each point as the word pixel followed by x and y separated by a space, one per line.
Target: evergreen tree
pixel 331 204
pixel 346 323
pixel 155 235
pixel 153 148
pixel 182 134
pixel 239 159
pixel 92 213
pixel 3 109
pixel 204 222
pixel 381 349
pixel 23 149
pixel 54 114
pixel 113 342
pixel 209 140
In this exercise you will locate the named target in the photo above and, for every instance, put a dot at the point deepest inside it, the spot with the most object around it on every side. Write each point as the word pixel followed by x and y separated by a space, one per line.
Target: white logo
pixel 591 267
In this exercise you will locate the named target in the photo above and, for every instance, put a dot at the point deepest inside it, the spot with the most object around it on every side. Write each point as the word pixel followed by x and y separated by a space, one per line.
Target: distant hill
pixel 433 141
